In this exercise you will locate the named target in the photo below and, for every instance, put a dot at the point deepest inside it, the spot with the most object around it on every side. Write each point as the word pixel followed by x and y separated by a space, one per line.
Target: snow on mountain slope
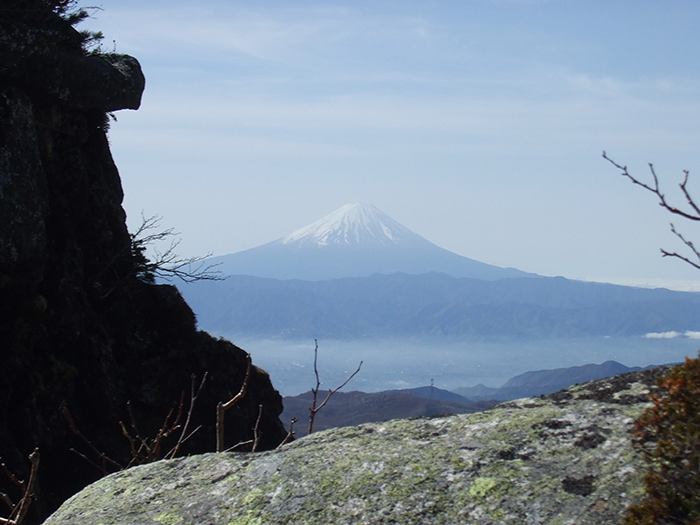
pixel 359 223
pixel 354 241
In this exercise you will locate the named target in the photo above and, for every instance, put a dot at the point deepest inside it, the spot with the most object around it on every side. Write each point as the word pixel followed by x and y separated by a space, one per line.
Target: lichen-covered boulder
pixel 564 458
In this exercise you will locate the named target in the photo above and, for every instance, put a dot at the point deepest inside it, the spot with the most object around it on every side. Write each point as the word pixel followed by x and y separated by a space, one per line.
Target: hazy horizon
pixel 478 125
pixel 408 363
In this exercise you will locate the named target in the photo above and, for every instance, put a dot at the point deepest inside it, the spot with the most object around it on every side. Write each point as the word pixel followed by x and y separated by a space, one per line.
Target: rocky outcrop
pixel 104 82
pixel 564 458
pixel 78 328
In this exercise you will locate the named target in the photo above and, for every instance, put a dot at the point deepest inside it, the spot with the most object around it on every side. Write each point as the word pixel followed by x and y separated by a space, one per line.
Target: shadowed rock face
pixel 77 328
pixel 565 458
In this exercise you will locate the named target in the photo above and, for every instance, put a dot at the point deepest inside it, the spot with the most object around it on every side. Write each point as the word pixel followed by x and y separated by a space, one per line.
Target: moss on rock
pixel 528 461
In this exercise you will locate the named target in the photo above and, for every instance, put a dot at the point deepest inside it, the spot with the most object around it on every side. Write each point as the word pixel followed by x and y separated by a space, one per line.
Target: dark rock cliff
pixel 78 329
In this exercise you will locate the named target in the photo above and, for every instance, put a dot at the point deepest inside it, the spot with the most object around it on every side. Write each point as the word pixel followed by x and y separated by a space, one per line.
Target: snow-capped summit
pixel 360 223
pixel 354 241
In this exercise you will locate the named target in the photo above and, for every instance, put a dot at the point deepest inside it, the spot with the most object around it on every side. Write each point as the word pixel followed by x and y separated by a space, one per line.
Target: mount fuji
pixel 357 273
pixel 356 240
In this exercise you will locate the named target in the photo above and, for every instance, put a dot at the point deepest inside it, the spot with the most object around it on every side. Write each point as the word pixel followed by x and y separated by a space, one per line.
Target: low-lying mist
pixel 407 363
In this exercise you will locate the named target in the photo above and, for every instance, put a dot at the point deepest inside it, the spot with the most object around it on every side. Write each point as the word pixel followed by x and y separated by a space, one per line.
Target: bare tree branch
pixel 313 409
pixel 290 434
pixel 19 511
pixel 256 430
pixel 684 188
pixel 149 449
pixel 167 264
pixel 23 505
pixel 104 458
pixel 240 444
pixel 692 214
pixel 144 450
pixel 183 435
pixel 689 244
pixel 223 407
pixel 6 499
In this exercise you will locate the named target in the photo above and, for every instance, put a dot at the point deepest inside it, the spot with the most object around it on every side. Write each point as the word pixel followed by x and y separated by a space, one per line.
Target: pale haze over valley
pixel 479 125
pixel 372 290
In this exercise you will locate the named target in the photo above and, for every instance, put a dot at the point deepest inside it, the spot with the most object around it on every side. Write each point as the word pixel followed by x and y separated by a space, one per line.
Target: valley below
pixel 450 363
pixel 370 290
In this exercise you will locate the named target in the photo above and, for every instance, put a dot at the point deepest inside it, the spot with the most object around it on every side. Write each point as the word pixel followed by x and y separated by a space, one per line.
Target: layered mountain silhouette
pixel 543 382
pixel 436 304
pixel 354 241
pixel 354 408
pixel 357 273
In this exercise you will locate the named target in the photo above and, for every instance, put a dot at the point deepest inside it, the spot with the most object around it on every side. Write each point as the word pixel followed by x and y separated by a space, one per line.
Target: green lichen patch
pixel 530 461
pixel 168 518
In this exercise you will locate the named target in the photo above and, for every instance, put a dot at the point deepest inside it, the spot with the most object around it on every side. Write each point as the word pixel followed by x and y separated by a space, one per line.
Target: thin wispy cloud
pixel 451 106
pixel 689 334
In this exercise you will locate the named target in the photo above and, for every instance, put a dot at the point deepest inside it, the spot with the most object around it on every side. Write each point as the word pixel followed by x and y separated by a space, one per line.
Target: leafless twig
pixel 149 449
pixel 677 255
pixel 256 430
pixel 184 436
pixel 102 457
pixel 691 213
pixel 19 511
pixel 222 407
pixel 313 409
pixel 168 264
pixel 290 434
pixel 144 449
pixel 240 444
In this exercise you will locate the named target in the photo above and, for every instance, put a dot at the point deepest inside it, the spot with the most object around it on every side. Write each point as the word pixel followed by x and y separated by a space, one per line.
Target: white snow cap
pixel 359 223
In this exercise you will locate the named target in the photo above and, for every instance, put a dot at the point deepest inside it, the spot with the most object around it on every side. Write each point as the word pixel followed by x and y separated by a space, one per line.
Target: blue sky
pixel 478 124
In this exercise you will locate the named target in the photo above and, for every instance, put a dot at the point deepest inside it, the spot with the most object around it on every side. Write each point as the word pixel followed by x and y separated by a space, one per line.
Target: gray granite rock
pixel 564 458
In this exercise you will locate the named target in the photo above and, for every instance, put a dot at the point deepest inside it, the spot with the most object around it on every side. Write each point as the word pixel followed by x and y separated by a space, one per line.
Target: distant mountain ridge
pixel 356 240
pixel 358 273
pixel 436 304
pixel 354 408
pixel 543 382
